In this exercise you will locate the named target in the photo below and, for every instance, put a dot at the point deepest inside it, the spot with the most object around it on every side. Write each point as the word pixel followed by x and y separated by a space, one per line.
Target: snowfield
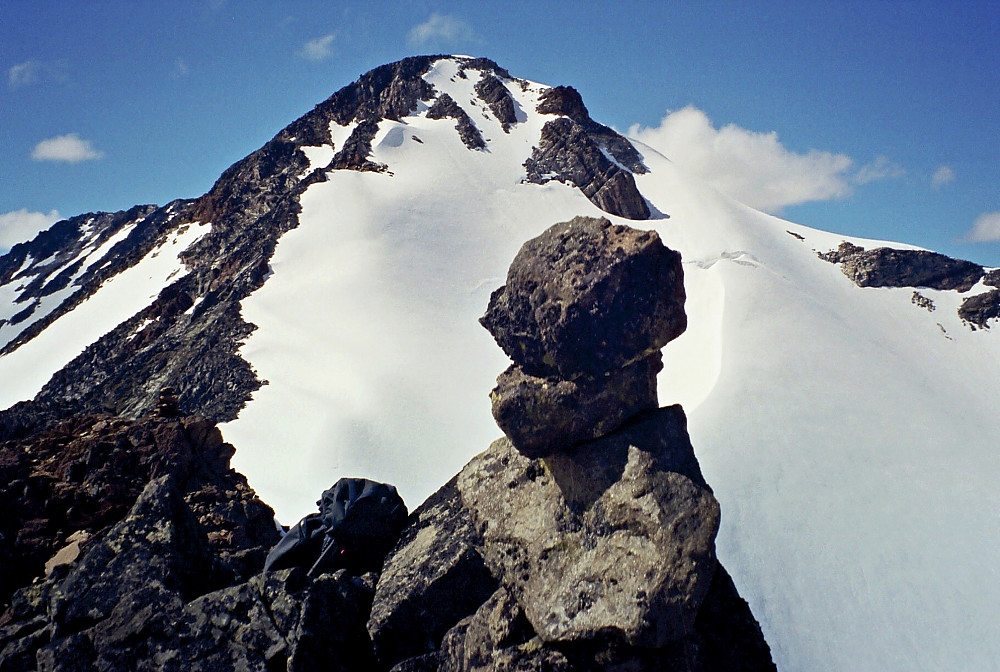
pixel 849 434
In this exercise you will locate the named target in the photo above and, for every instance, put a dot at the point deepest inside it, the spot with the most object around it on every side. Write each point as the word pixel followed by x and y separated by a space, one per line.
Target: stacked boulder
pixel 586 308
pixel 590 520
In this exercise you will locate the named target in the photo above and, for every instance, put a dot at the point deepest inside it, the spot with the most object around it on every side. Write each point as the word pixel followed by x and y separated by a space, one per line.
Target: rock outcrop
pixel 566 152
pixel 888 267
pixel 981 308
pixel 576 149
pixel 601 548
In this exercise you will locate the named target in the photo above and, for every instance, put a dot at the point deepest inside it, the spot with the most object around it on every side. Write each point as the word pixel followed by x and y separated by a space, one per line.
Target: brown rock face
pixel 86 474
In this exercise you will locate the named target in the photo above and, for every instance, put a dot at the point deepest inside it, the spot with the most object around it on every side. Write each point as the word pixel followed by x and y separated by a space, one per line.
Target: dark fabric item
pixel 358 523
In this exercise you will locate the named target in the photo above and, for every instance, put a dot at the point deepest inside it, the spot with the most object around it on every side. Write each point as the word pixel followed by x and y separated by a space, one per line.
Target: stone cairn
pixel 586 308
pixel 586 535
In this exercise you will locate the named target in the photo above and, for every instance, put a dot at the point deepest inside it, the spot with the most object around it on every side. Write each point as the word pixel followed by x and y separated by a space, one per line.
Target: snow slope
pixel 848 433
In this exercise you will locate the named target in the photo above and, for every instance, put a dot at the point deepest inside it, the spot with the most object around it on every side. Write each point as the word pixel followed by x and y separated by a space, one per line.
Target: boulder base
pixel 616 537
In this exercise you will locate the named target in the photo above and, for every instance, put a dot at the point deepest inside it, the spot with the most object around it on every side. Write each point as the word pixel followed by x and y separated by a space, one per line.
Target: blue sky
pixel 877 119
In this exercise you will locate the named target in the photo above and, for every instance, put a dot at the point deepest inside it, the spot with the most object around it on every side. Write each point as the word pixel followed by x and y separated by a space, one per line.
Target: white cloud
pixel 24 74
pixel 879 169
pixel 986 229
pixel 440 28
pixel 21 225
pixel 318 49
pixel 942 176
pixel 69 148
pixel 754 168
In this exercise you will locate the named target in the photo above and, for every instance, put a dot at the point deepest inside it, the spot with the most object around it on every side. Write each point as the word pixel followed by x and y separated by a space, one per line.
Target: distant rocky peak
pixel 567 102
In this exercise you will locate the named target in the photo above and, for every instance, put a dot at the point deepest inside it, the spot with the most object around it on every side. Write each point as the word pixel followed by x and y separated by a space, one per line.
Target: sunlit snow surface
pixel 849 435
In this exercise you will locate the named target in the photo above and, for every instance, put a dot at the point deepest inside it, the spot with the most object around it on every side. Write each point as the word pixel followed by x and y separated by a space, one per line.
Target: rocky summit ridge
pixel 135 546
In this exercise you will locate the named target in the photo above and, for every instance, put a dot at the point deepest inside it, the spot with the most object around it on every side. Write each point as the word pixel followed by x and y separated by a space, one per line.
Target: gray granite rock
pixel 617 536
pixel 431 580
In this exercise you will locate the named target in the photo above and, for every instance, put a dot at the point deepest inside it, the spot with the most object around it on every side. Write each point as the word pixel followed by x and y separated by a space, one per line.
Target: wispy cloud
pixel 318 49
pixel 180 69
pixel 21 225
pixel 942 176
pixel 30 73
pixel 25 74
pixel 440 28
pixel 69 148
pixel 879 169
pixel 986 229
pixel 754 168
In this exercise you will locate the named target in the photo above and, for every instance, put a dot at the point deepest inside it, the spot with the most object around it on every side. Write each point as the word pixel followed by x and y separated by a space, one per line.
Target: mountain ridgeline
pixel 252 204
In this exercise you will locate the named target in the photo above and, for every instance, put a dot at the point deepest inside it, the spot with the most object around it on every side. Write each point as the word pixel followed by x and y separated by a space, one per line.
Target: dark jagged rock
pixel 142 597
pixel 432 579
pixel 541 414
pixel 586 297
pixel 86 473
pixel 565 152
pixel 496 95
pixel 158 549
pixel 354 154
pixel 445 107
pixel 887 267
pixel 922 301
pixel 566 101
pixel 172 582
pixel 981 308
pixel 992 278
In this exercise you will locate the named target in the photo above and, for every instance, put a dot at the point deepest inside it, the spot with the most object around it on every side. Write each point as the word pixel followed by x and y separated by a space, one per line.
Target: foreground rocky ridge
pixel 598 553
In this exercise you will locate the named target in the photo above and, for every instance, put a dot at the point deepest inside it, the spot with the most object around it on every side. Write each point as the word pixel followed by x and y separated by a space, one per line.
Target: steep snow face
pixel 847 432
pixel 24 371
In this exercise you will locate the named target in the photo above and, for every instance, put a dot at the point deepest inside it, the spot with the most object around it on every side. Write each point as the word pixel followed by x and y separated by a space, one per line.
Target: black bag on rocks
pixel 358 523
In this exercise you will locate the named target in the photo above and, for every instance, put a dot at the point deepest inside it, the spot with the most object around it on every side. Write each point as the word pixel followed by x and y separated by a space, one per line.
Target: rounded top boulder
pixel 587 297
